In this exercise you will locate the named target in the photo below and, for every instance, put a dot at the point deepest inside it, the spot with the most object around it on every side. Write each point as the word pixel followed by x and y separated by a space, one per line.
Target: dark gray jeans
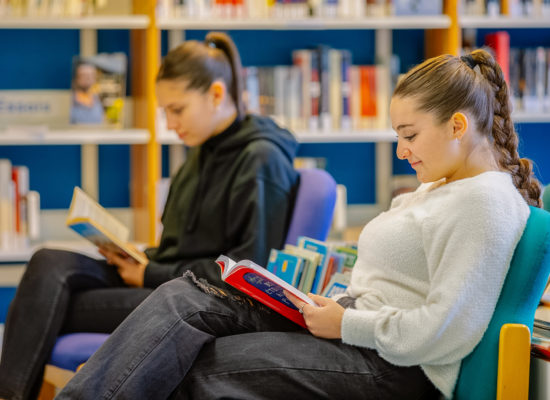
pixel 191 340
pixel 60 292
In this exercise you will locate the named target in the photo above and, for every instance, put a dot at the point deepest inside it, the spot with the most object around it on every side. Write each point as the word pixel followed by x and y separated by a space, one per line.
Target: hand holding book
pixel 130 270
pixel 325 320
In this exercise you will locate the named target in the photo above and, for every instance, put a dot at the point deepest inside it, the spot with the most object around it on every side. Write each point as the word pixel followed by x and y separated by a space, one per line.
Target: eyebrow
pixel 403 126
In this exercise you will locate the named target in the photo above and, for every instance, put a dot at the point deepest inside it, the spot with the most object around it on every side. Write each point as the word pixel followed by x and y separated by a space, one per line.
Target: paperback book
pixel 264 286
pixel 91 221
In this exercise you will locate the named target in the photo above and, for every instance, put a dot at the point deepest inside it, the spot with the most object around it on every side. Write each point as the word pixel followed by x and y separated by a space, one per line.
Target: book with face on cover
pixel 262 285
pixel 94 223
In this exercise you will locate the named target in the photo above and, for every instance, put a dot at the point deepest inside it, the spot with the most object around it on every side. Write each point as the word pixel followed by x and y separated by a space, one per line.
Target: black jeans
pixel 190 340
pixel 60 292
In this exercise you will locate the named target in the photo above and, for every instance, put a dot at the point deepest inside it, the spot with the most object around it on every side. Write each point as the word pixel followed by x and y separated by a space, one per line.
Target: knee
pixel 178 293
pixel 48 262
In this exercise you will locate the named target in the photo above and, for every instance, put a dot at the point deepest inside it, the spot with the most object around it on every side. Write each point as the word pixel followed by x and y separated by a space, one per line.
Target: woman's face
pixel 189 112
pixel 430 147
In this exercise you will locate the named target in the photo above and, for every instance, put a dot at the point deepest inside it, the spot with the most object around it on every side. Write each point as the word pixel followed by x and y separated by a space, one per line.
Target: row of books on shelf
pixel 295 9
pixel 321 91
pixel 64 8
pixel 19 207
pixel 530 79
pixel 309 266
pixel 527 71
pixel 516 8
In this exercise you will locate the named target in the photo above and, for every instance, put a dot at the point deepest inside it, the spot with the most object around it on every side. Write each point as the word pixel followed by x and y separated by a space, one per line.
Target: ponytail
pixel 505 139
pixel 200 64
pixel 224 43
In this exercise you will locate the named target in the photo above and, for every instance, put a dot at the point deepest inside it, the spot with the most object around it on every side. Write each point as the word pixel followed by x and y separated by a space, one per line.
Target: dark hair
pixel 201 63
pixel 474 83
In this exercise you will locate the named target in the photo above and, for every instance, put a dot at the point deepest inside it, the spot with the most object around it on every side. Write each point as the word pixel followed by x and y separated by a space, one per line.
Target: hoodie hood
pixel 252 128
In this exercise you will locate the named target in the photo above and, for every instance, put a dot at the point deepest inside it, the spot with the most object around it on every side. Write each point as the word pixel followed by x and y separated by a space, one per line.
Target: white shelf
pixel 89 22
pixel 531 117
pixel 74 136
pixel 16 256
pixel 24 254
pixel 397 22
pixel 504 22
pixel 367 136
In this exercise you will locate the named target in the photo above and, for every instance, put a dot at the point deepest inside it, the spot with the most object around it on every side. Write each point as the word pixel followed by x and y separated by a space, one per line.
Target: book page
pixel 85 207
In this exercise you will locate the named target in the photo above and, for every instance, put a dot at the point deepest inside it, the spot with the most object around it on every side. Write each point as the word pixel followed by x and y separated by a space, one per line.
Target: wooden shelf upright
pixel 145 160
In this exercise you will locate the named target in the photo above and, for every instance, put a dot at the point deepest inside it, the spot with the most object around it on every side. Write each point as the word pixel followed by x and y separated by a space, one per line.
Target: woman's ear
pixel 217 92
pixel 459 123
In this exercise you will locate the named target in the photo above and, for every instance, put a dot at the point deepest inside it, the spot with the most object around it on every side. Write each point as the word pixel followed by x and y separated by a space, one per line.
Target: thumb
pixel 320 300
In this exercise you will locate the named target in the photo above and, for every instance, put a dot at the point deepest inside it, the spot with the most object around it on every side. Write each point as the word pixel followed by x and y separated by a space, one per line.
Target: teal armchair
pixel 501 371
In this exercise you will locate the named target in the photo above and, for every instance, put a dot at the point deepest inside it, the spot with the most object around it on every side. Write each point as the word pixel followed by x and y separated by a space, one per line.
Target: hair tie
pixel 469 61
pixel 211 44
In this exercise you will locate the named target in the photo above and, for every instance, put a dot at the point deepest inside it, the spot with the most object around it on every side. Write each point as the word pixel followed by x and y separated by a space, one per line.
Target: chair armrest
pixel 513 362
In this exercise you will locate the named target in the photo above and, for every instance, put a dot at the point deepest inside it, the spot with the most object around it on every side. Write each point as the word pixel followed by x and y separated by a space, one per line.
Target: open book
pixel 262 285
pixel 91 221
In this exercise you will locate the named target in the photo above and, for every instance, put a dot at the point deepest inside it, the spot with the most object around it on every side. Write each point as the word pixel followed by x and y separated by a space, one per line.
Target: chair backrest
pixel 313 207
pixel 519 298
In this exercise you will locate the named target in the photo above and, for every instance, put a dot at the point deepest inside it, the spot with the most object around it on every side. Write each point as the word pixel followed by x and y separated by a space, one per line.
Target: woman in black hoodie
pixel 233 195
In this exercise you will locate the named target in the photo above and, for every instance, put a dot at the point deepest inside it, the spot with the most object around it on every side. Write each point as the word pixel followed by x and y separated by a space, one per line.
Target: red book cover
pixel 262 285
pixel 367 79
pixel 500 43
pixel 17 196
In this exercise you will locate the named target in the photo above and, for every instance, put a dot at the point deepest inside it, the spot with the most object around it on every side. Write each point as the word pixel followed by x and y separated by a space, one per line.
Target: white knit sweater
pixel 430 270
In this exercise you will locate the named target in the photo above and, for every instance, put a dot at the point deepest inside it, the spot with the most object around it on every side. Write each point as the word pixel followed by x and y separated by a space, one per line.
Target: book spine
pixel 314 92
pixel 345 89
pixel 500 43
pixel 33 210
pixel 324 107
pixel 302 59
pixel 6 204
pixel 335 88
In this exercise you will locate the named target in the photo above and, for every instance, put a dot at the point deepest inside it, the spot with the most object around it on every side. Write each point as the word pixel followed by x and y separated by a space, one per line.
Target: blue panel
pixel 534 144
pixel 6 296
pixel 351 164
pixel 114 175
pixel 409 45
pixel 54 171
pixel 38 59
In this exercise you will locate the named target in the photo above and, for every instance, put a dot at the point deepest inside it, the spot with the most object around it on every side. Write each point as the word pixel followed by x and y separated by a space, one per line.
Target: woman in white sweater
pixel 427 278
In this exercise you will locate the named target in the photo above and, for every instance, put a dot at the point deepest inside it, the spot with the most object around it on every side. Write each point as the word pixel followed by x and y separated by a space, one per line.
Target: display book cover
pixel 262 285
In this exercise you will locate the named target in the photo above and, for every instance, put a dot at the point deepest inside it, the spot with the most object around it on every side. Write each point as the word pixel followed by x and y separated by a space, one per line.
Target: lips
pixel 416 163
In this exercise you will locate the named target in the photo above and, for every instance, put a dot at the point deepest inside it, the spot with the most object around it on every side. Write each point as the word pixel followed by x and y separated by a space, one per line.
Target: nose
pixel 402 152
pixel 171 122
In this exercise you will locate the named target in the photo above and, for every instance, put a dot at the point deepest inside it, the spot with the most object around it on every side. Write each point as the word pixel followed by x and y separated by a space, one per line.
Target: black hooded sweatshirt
pixel 234 195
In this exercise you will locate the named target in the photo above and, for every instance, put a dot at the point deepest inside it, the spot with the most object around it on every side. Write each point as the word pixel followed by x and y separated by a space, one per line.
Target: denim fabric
pixel 167 348
pixel 297 365
pixel 58 294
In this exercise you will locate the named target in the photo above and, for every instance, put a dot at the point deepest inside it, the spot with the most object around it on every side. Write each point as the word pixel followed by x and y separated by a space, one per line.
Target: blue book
pixel 321 248
pixel 288 267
